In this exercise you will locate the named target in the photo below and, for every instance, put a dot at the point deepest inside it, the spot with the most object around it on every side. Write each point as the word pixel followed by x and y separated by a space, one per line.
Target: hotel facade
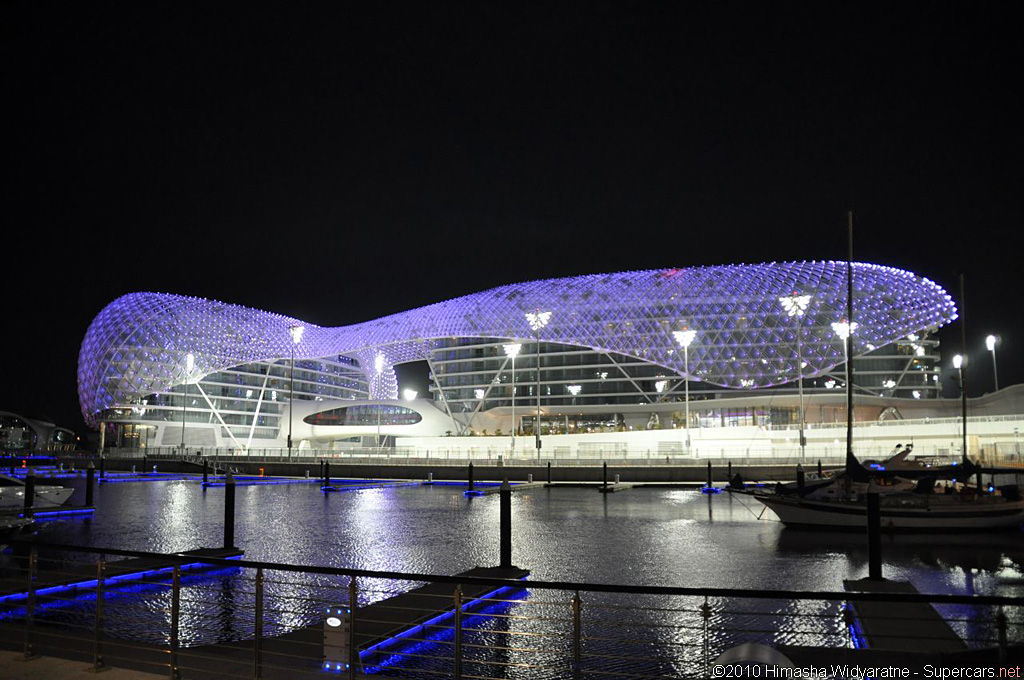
pixel 681 350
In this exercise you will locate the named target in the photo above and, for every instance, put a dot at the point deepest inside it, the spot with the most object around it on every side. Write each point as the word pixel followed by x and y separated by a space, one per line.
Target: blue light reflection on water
pixel 645 536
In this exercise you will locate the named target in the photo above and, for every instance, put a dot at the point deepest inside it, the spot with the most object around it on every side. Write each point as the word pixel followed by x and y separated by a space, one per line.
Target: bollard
pixel 469 479
pixel 154 469
pixel 800 479
pixel 206 472
pixel 133 469
pixel 430 477
pixel 819 467
pixel 874 533
pixel 307 474
pixel 616 479
pixel 529 478
pixel 103 471
pixel 229 510
pixel 505 511
pixel 30 491
pixel 90 479
pixel 549 472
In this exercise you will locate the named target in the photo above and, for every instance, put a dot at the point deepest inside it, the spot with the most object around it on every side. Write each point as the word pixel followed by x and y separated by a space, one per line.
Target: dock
pixel 910 627
pixel 83 577
pixel 491 489
pixel 615 487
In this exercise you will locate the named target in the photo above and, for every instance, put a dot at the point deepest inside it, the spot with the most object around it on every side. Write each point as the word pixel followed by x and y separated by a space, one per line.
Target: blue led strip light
pixel 47 514
pixel 124 590
pixel 439 636
pixel 91 583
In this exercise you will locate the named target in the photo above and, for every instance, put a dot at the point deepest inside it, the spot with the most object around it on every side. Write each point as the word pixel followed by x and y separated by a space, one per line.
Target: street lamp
pixel 574 390
pixel 537 321
pixel 190 363
pixel 990 343
pixel 958 364
pixel 296 333
pixel 512 351
pixel 795 306
pixel 685 337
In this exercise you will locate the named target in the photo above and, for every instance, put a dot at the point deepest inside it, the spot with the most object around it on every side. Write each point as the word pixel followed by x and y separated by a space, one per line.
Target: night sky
pixel 337 162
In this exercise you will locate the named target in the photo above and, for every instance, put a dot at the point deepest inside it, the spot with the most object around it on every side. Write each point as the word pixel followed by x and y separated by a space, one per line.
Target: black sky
pixel 337 161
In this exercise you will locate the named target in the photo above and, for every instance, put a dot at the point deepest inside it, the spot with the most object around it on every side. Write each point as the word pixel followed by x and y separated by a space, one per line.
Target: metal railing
pixel 249 619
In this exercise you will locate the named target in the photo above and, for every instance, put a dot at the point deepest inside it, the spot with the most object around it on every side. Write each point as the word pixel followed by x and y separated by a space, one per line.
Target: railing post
pixel 705 612
pixel 97 644
pixel 175 616
pixel 353 653
pixel 577 607
pixel 258 638
pixel 30 606
pixel 458 633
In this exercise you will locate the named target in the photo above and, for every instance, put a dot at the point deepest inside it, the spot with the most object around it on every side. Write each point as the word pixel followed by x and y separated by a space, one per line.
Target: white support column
pixel 259 405
pixel 215 412
pixel 629 378
pixel 490 385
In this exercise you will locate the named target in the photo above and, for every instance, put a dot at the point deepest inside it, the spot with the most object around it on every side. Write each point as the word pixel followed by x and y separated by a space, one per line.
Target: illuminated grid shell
pixel 744 336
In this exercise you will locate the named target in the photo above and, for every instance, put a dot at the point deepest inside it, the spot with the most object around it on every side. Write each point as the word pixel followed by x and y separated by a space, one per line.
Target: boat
pixel 937 498
pixel 912 495
pixel 12 494
pixel 957 507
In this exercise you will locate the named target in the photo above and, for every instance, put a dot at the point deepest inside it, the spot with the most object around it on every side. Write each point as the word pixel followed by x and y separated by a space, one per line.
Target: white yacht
pixel 12 494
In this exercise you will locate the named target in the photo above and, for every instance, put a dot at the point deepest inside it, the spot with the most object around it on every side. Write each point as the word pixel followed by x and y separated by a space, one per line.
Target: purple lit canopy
pixel 745 335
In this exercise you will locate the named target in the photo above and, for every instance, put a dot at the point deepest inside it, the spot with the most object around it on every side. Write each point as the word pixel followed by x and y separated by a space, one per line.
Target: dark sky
pixel 340 161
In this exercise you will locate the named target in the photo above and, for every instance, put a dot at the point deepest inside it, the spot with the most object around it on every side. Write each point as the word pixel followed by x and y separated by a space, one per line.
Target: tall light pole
pixel 795 306
pixel 512 351
pixel 537 321
pixel 685 338
pixel 990 343
pixel 296 333
pixel 958 364
pixel 190 363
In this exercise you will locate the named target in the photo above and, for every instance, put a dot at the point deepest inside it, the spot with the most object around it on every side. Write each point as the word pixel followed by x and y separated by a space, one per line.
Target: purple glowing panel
pixel 745 338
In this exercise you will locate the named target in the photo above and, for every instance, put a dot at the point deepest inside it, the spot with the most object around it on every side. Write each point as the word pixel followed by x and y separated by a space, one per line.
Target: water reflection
pixel 645 536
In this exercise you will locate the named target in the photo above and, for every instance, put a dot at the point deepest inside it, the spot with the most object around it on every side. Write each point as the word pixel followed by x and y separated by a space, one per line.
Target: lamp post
pixel 537 321
pixel 685 337
pixel 512 351
pixel 296 333
pixel 990 343
pixel 190 363
pixel 795 306
pixel 958 364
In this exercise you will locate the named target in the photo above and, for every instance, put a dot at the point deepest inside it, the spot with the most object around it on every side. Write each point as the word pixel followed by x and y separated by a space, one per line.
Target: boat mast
pixel 850 459
pixel 963 372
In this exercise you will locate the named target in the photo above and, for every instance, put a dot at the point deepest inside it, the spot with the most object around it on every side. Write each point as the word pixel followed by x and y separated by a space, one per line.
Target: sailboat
pixel 911 498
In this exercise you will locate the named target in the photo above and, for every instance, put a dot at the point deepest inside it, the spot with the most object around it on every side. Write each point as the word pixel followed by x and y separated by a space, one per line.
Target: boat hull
pixel 978 515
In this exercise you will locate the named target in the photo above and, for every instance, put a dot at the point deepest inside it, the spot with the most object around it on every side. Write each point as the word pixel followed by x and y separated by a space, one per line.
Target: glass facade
pixel 247 401
pixel 476 373
pixel 365 414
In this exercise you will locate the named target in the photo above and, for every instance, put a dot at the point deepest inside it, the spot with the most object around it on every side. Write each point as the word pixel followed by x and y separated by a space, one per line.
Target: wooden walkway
pixel 906 626
pixel 84 576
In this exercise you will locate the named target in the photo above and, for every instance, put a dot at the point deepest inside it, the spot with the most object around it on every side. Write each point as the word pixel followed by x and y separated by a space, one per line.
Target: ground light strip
pixel 90 584
pixel 399 637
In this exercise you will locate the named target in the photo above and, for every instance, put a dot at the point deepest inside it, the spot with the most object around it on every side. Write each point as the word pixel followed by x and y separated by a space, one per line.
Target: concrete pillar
pixel 505 500
pixel 229 510
pixel 874 533
pixel 90 479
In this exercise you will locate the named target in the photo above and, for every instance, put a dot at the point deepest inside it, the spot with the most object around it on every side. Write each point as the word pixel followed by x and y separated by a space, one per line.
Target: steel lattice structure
pixel 745 337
